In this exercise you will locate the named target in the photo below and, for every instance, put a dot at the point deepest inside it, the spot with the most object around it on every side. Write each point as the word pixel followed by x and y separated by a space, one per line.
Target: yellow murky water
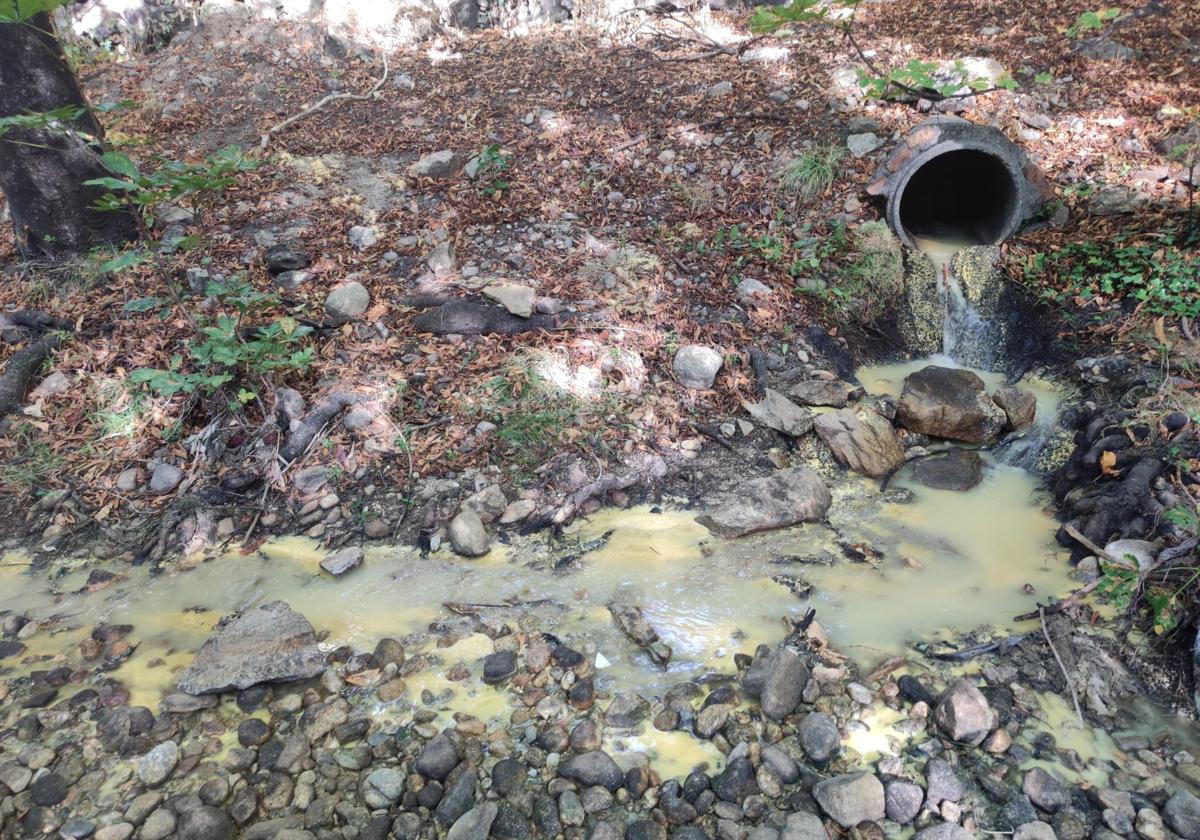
pixel 942 563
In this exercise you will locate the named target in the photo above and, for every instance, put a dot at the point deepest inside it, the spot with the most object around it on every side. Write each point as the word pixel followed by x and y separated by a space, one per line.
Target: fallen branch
pixel 1061 604
pixel 333 97
pixel 20 370
pixel 628 144
pixel 1061 667
pixel 1111 559
pixel 466 318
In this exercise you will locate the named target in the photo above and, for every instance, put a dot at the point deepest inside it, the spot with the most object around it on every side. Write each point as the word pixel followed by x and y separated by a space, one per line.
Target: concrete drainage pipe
pixel 953 180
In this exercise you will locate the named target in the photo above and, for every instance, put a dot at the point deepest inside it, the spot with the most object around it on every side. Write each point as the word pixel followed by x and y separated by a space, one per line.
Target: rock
pixel 942 783
pixel 518 511
pixel 852 798
pixel 15 777
pixel 1141 552
pixel 376 529
pixel 1035 830
pixel 1117 201
pixel 204 823
pixel 1182 814
pixel 516 299
pixel 499 666
pixel 719 90
pixel 750 291
pixel 165 478
pixel 944 831
pixel 593 768
pixel 343 560
pixel 949 403
pixel 476 824
pixel 819 737
pixel 157 765
pixel 779 682
pixel 626 710
pixel 963 713
pixel 1045 790
pixel 782 765
pixel 788 497
pixel 443 164
pixel 347 302
pixel 468 536
pixel 863 441
pixel 711 720
pixel 362 237
pixel 958 469
pixel 1018 404
pixel 382 787
pixel 272 643
pixel 861 145
pixel 902 800
pixel 835 393
pixel 781 414
pixel 437 758
pixel 801 825
pixel 48 790
pixel 441 259
pixel 696 366
pixel 127 481
pixel 489 503
pixel 286 257
pixel 736 781
pixel 508 775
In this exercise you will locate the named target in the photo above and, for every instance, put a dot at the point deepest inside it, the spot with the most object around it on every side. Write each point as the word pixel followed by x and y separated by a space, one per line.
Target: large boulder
pixel 963 713
pixel 949 403
pixel 787 497
pixel 862 441
pixel 268 644
pixel 851 798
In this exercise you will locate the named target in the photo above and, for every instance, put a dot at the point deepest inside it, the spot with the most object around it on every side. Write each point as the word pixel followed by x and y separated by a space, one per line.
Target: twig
pixel 1061 667
pixel 1060 605
pixel 333 97
pixel 628 144
pixel 1111 559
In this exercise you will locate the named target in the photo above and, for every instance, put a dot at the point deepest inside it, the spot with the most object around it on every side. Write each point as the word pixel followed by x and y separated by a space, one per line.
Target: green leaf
pixel 141 304
pixel 126 260
pixel 120 164
pixel 19 11
pixel 1043 78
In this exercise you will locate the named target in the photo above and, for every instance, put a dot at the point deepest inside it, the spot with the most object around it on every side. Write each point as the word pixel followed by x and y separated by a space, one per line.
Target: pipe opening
pixel 965 196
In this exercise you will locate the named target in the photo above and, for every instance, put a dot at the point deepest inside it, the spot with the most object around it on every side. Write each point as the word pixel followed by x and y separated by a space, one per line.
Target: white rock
pixel 518 300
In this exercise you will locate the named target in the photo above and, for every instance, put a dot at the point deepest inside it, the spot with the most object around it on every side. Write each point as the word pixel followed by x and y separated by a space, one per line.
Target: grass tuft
pixel 810 174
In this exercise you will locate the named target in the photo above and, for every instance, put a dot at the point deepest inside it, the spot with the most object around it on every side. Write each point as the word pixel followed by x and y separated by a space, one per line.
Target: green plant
pixel 914 80
pixel 226 351
pixel 33 460
pixel 20 11
pixel 1092 21
pixel 492 164
pixel 1162 277
pixel 811 173
pixel 198 183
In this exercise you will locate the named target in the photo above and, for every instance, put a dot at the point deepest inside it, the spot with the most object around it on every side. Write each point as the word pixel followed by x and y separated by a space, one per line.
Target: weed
pixel 199 183
pixel 33 460
pixel 492 164
pixel 810 174
pixel 1163 278
pixel 227 351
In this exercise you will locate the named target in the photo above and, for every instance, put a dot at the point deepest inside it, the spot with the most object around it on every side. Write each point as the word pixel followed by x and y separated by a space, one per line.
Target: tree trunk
pixel 42 170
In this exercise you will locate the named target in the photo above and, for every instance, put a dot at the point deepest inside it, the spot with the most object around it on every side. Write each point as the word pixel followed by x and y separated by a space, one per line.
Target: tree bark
pixel 42 171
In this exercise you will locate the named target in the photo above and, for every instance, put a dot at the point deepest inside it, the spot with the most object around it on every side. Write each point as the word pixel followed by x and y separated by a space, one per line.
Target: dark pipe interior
pixel 960 196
